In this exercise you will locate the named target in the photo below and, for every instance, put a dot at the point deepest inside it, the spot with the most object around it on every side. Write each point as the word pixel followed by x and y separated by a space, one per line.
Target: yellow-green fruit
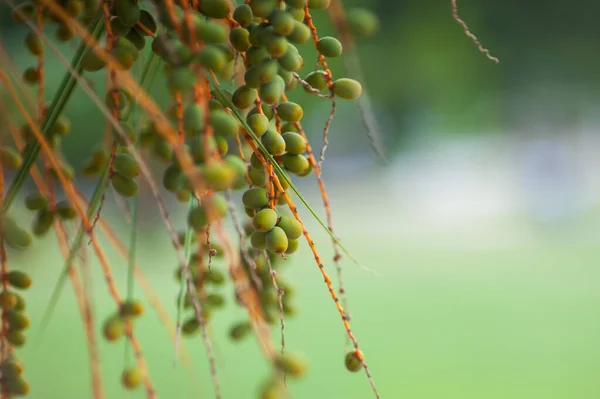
pixel 114 327
pixel 212 209
pixel 193 119
pixel 259 123
pixel 64 33
pixel 258 176
pixel 8 300
pixel 290 112
pixel 259 240
pixel 261 73
pixel 353 362
pixel 10 158
pixel 243 15
pixel 316 80
pixel 362 22
pixel 36 201
pixel 273 389
pixel 270 92
pixel 219 175
pixel 348 89
pixel 215 8
pixel 18 279
pixel 14 236
pixel 125 56
pixel 190 327
pixel 132 377
pixel 255 198
pixel 21 304
pixel 125 186
pixel 128 12
pixel 42 222
pixel 16 337
pixel 173 178
pixel 65 210
pixel 126 165
pixel 277 241
pixel 294 143
pixel 329 47
pixel 239 38
pixel 300 34
pixel 132 308
pixel 34 43
pixel 243 97
pixel 216 277
pixel 92 62
pixel 215 300
pixel 263 8
pixel 291 227
pixel 319 4
pixel 291 60
pixel 181 80
pixel 273 142
pixel 223 123
pixel 297 164
pixel 16 387
pixel 264 220
pixel 282 22
pixel 11 368
pixel 291 364
pixel 292 247
pixel 239 330
pixel 16 320
pixel 211 57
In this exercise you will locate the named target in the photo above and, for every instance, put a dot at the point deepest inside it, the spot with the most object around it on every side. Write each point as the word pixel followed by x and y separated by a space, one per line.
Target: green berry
pixel 282 22
pixel 259 240
pixel 215 8
pixel 114 328
pixel 294 143
pixel 258 176
pixel 132 308
pixel 277 241
pixel 291 227
pixel 17 387
pixel 212 57
pixel 348 89
pixel 255 198
pixel 270 92
pixel 296 164
pixel 244 96
pixel 65 210
pixel 125 186
pixel 212 209
pixel 362 22
pixel 291 60
pixel 23 12
pixel 353 362
pixel 263 8
pixel 300 34
pixel 34 43
pixel 36 201
pixel 8 300
pixel 329 47
pixel 118 28
pixel 91 62
pixel 273 142
pixel 16 320
pixel 261 73
pixel 15 337
pixel 148 21
pixel 18 279
pixel 240 330
pixel 181 80
pixel 240 38
pixel 259 123
pixel 264 220
pixel 290 112
pixel 126 165
pixel 173 178
pixel 291 364
pixel 243 15
pixel 43 222
pixel 132 377
pixel 10 158
pixel 223 123
pixel 193 119
pixel 128 11
pixel 292 247
pixel 138 40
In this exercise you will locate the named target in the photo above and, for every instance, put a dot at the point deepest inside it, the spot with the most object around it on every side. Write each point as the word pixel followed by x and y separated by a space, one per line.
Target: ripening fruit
pixel 36 201
pixel 14 236
pixel 128 11
pixel 239 38
pixel 126 165
pixel 8 300
pixel 316 80
pixel 21 304
pixel 255 198
pixel 243 97
pixel 193 119
pixel 291 364
pixel 270 92
pixel 181 80
pixel 91 62
pixel 18 279
pixel 65 210
pixel 258 176
pixel 125 186
pixel 23 12
pixel 212 209
pixel 319 4
pixel 64 33
pixel 290 112
pixel 263 8
pixel 297 164
pixel 329 47
pixel 15 337
pixel 16 387
pixel 353 362
pixel 10 158
pixel 240 330
pixel 243 15
pixel 11 368
pixel 362 22
pixel 291 60
pixel 255 162
pixel 215 8
pixel 264 220
pixel 211 57
pixel 211 32
pixel 219 175
pixel 114 327
pixel 292 247
pixel 42 222
pixel 277 241
pixel 300 34
pixel 348 89
pixel 282 22
pixel 34 43
pixel 132 308
pixel 259 123
pixel 223 124
pixel 273 142
pixel 273 389
pixel 132 377
pixel 294 143
pixel 16 320
pixel 291 227
pixel 258 240
pixel 137 39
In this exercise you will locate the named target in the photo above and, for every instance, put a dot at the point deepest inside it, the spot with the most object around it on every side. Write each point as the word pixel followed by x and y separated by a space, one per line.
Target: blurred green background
pixel 483 230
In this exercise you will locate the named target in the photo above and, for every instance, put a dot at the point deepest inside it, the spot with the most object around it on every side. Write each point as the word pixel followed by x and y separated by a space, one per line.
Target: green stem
pixel 57 105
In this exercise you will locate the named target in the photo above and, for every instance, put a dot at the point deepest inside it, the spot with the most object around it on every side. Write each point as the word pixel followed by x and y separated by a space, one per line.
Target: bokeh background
pixel 483 229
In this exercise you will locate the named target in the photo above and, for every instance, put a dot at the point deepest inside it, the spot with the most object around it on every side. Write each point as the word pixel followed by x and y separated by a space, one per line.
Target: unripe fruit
pixel 263 8
pixel 291 227
pixel 353 362
pixel 92 62
pixel 243 15
pixel 291 364
pixel 294 143
pixel 18 279
pixel 271 92
pixel 42 222
pixel 8 300
pixel 36 201
pixel 292 247
pixel 264 220
pixel 243 97
pixel 132 308
pixel 329 47
pixel 16 320
pixel 137 39
pixel 258 176
pixel 114 327
pixel 126 165
pixel 319 4
pixel 223 123
pixel 11 368
pixel 31 76
pixel 14 236
pixel 148 21
pixel 282 22
pixel 290 112
pixel 297 164
pixel 348 89
pixel 212 209
pixel 240 330
pixel 65 210
pixel 273 142
pixel 125 186
pixel 259 123
pixel 215 8
pixel 128 12
pixel 316 80
pixel 34 43
pixel 181 80
pixel 255 198
pixel 258 240
pixel 300 34
pixel 362 22
pixel 211 57
pixel 277 241
pixel 132 377
pixel 240 38
pixel 10 158
pixel 16 387
pixel 15 337
pixel 193 119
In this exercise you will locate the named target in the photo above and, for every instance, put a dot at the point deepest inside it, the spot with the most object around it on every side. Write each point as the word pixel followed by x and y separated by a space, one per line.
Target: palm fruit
pixel 294 143
pixel 329 47
pixel 212 209
pixel 348 89
pixel 290 112
pixel 128 12
pixel 132 377
pixel 291 364
pixel 18 279
pixel 264 220
pixel 277 241
pixel 273 142
pixel 125 186
pixel 42 222
pixel 114 328
pixel 291 227
pixel 362 22
pixel 353 362
pixel 255 198
pixel 243 15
